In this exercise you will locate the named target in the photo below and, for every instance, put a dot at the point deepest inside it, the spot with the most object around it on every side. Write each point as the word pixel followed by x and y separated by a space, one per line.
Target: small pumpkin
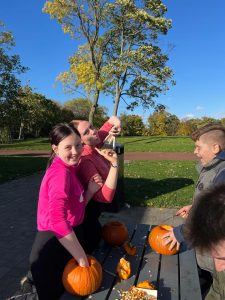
pixel 82 281
pixel 129 248
pixel 114 233
pixel 157 243
pixel 123 268
pixel 146 285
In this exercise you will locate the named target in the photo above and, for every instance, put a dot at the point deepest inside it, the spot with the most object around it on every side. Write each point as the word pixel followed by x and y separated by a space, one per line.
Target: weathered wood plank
pixel 139 240
pixel 189 279
pixel 150 266
pixel 168 285
pixel 109 268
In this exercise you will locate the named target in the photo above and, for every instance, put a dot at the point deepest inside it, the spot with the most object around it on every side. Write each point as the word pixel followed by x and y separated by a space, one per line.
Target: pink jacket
pixel 61 204
pixel 91 163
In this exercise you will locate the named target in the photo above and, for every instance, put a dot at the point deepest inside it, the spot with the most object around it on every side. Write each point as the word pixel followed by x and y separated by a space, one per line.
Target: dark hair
pixel 207 128
pixel 57 134
pixel 205 227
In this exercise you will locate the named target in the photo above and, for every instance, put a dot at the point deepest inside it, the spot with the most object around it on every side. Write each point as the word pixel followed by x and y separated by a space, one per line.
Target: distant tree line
pixel 162 123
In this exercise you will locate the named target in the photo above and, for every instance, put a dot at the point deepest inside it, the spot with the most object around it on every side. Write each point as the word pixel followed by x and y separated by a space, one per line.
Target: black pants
pixel 91 226
pixel 47 261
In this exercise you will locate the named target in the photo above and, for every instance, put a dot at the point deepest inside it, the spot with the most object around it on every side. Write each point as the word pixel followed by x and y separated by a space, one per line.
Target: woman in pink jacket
pixel 93 164
pixel 61 209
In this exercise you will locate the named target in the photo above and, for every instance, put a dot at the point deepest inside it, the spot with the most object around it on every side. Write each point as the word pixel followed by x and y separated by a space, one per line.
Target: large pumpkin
pixel 114 233
pixel 157 243
pixel 82 281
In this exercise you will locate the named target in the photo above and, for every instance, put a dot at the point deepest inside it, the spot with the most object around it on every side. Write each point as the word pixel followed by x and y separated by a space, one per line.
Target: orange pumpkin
pixel 82 281
pixel 123 269
pixel 157 243
pixel 114 233
pixel 129 248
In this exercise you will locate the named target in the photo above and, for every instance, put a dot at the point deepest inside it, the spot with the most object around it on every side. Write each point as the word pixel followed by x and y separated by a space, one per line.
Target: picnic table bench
pixel 175 277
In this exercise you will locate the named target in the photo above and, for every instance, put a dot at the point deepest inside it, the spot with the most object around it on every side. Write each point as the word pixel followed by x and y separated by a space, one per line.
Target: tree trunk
pixel 21 130
pixel 117 100
pixel 93 107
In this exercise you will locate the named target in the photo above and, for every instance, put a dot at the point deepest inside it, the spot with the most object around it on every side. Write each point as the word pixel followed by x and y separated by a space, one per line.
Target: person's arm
pixel 184 211
pixel 112 126
pixel 116 125
pixel 107 191
pixel 87 170
pixel 72 245
pixel 95 183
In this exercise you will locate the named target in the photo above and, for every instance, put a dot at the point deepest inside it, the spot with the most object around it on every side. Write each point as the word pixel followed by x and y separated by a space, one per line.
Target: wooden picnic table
pixel 175 277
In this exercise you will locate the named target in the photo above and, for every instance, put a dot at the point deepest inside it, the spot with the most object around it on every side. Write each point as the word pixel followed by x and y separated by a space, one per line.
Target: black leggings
pixel 47 261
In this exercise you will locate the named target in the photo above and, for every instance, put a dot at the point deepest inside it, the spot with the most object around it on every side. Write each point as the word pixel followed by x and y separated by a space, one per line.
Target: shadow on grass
pixel 141 188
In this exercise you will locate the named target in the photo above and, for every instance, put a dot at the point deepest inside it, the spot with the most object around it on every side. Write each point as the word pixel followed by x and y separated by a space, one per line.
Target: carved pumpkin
pixel 129 248
pixel 82 281
pixel 123 269
pixel 157 243
pixel 146 285
pixel 114 233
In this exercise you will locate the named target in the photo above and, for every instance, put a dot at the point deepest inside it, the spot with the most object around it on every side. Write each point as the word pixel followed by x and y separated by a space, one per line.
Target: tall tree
pixel 84 20
pixel 121 55
pixel 132 125
pixel 137 63
pixel 10 66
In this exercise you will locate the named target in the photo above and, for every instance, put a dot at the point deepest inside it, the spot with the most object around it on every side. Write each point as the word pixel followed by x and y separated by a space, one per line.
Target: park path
pixel 127 155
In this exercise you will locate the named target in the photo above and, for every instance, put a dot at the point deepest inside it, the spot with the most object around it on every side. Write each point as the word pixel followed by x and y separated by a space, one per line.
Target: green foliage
pixel 132 125
pixel 81 109
pixel 10 67
pixel 160 123
pixel 186 127
pixel 30 115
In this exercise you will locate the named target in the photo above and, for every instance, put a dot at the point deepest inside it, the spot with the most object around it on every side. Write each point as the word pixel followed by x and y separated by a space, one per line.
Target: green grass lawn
pixel 131 144
pixel 159 183
pixel 29 144
pixel 16 167
pixel 147 183
pixel 157 144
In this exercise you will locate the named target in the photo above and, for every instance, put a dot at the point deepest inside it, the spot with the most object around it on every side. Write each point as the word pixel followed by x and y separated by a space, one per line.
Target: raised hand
pixel 184 211
pixel 109 154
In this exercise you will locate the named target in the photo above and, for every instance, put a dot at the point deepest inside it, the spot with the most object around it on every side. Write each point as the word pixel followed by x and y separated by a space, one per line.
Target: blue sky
pixel 197 57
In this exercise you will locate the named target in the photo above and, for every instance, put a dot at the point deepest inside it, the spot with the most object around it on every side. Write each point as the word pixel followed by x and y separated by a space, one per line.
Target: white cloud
pixel 188 116
pixel 199 107
pixel 220 115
